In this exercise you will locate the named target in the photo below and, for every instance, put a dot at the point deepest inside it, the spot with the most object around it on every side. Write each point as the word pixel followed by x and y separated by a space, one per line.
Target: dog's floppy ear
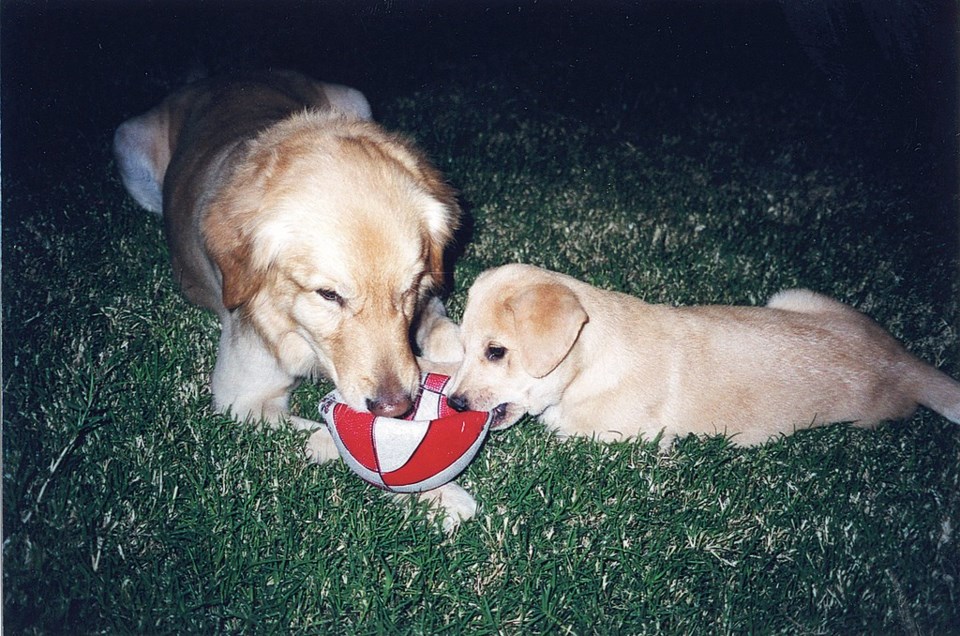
pixel 437 241
pixel 232 253
pixel 240 280
pixel 441 218
pixel 229 228
pixel 548 318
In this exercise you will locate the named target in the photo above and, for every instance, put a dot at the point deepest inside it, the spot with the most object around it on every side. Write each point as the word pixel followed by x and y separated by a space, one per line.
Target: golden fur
pixel 597 363
pixel 316 237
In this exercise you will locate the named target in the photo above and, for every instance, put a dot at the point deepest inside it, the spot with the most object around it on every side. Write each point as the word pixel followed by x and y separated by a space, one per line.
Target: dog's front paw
pixel 438 337
pixel 320 447
pixel 451 505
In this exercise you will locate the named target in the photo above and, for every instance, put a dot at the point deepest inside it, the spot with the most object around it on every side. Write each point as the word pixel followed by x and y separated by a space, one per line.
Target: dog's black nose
pixel 458 403
pixel 391 405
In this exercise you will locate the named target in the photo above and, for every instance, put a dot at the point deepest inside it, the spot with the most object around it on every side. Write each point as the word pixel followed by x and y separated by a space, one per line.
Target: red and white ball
pixel 425 450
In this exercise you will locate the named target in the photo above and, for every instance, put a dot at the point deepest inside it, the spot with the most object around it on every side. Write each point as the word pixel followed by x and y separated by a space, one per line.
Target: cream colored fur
pixel 316 237
pixel 597 363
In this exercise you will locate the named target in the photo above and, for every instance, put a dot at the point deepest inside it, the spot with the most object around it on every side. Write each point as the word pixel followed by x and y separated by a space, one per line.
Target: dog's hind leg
pixel 348 100
pixel 142 151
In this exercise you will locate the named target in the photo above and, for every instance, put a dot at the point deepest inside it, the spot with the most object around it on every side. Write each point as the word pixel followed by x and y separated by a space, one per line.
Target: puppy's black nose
pixel 458 403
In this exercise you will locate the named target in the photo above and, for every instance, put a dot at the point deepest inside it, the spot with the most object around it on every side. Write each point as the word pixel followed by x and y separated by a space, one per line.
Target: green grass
pixel 129 507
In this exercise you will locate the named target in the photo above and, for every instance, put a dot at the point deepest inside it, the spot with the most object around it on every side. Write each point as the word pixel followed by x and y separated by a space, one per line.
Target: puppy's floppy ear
pixel 548 318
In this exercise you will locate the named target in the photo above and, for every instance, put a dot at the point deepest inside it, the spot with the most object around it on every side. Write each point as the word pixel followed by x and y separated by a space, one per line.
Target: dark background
pixel 872 84
pixel 71 71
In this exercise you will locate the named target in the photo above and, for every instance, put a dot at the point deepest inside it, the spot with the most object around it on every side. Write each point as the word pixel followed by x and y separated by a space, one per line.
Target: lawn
pixel 129 507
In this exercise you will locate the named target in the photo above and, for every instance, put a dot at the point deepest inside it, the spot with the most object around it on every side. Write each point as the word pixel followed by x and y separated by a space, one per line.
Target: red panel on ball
pixel 424 450
pixel 444 444
pixel 356 431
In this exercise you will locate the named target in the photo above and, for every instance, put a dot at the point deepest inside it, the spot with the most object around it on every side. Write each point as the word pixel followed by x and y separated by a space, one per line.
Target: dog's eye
pixel 330 296
pixel 495 352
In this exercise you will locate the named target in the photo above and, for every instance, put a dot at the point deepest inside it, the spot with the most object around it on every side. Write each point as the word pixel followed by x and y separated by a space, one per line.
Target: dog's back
pixel 143 145
pixel 174 158
pixel 917 381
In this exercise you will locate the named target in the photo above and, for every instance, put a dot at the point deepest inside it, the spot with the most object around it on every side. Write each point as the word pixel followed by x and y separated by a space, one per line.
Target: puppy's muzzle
pixel 459 402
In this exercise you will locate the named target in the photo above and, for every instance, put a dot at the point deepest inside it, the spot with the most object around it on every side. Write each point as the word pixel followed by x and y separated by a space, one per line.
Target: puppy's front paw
pixel 451 504
pixel 320 447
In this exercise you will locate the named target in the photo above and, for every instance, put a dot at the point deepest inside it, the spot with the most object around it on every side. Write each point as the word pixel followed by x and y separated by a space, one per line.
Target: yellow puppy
pixel 603 364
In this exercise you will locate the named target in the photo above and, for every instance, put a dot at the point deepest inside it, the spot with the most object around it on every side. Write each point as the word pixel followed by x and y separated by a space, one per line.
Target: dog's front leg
pixel 438 337
pixel 450 504
pixel 247 379
pixel 320 446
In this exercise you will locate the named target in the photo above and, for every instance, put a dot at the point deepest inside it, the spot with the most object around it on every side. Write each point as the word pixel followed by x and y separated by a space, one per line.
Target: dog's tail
pixel 936 390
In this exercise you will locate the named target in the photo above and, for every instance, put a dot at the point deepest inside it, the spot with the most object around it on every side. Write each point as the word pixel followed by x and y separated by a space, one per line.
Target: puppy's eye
pixel 330 296
pixel 495 352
